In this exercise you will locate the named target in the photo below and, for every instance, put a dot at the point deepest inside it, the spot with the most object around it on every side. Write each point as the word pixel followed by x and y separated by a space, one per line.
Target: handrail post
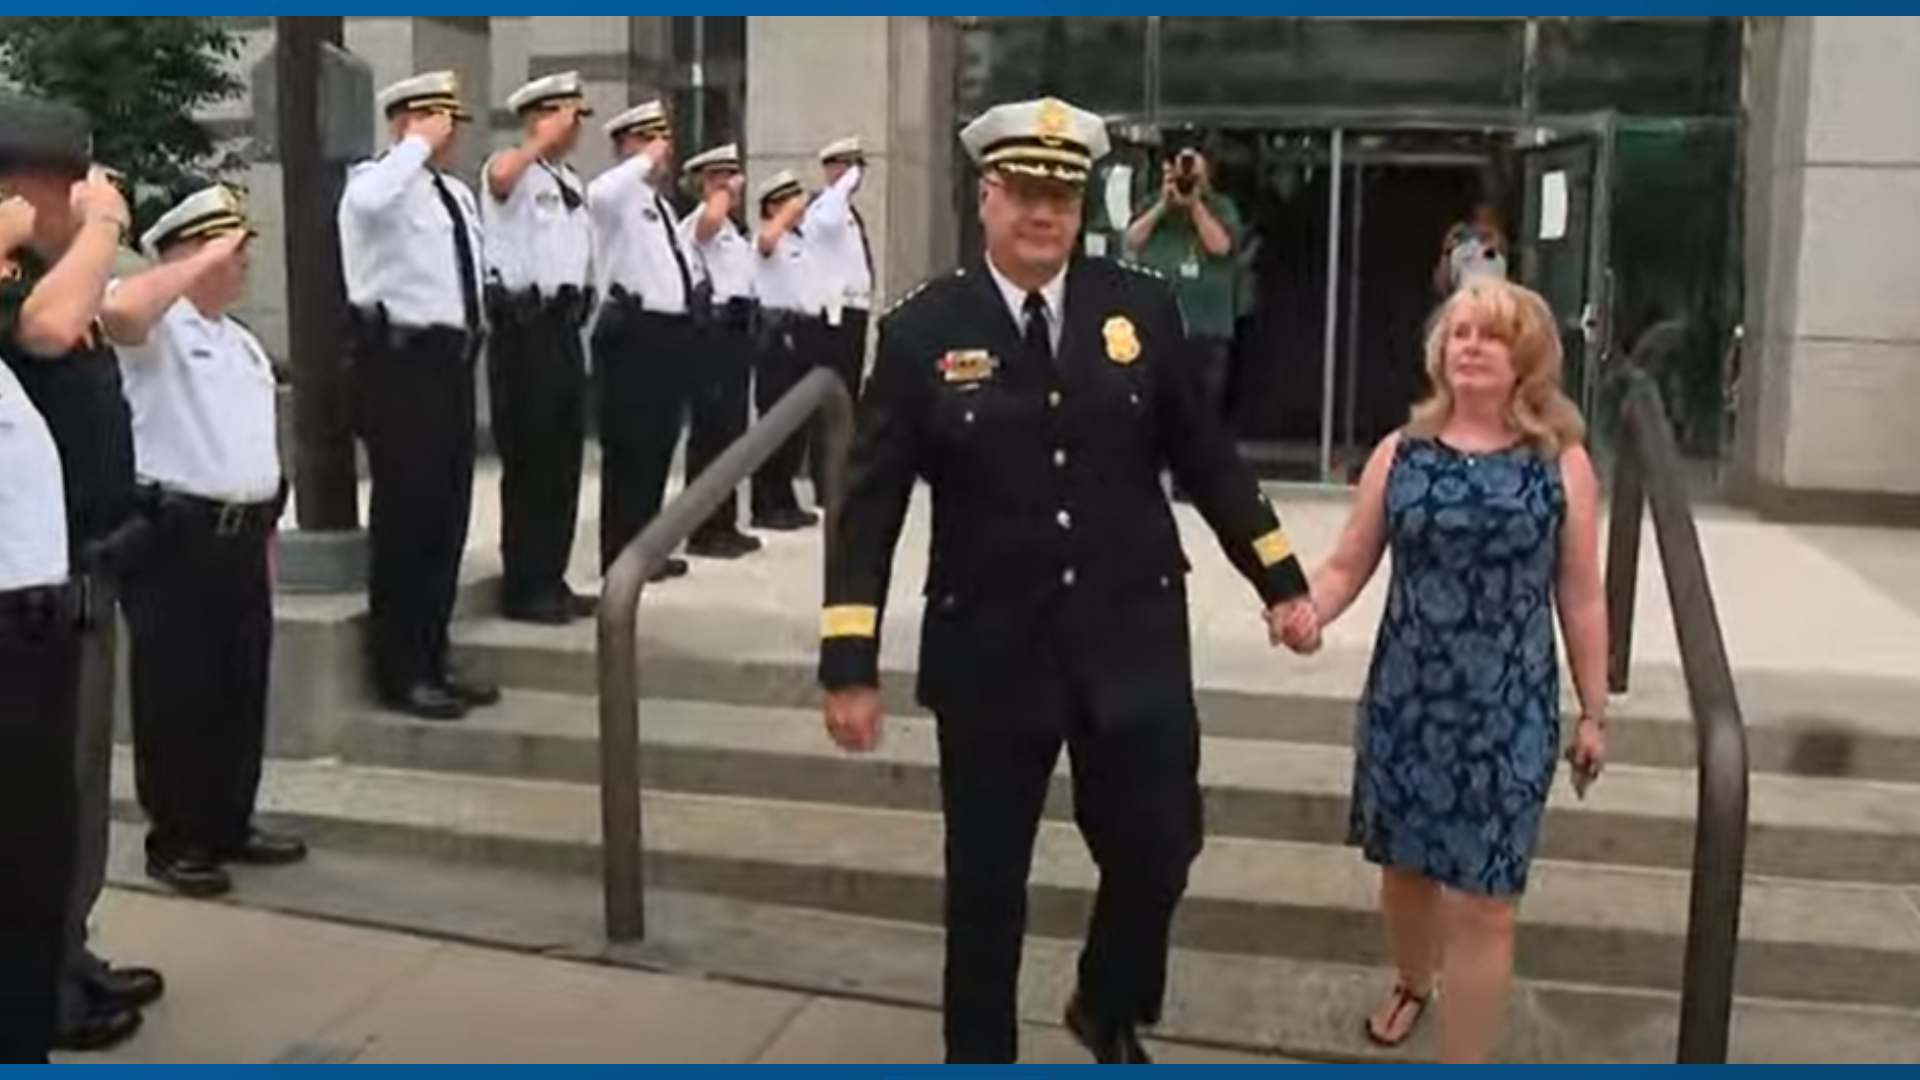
pixel 1625 528
pixel 622 805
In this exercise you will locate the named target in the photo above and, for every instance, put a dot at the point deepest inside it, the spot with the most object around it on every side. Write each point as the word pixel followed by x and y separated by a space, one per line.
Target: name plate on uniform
pixel 969 367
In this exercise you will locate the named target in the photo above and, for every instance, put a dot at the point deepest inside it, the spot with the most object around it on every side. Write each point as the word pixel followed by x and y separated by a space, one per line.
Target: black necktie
pixel 1039 332
pixel 462 253
pixel 866 245
pixel 673 241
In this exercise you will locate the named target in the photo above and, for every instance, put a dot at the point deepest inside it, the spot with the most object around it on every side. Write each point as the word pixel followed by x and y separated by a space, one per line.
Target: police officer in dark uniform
pixel 1041 396
pixel 50 302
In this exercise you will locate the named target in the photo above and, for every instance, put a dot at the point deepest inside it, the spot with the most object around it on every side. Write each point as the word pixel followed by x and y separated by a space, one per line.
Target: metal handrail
pixel 623 836
pixel 1648 477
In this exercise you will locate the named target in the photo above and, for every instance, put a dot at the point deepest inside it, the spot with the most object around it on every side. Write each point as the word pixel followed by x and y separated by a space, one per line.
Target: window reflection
pixel 1098 62
pixel 1665 66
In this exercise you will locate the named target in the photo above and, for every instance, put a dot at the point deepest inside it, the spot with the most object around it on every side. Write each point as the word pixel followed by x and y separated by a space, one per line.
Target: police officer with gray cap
pixel 410 246
pixel 540 250
pixel 50 300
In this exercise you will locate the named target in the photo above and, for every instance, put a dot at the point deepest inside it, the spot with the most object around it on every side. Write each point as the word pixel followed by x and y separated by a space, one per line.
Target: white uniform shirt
pixel 33 494
pixel 785 280
pixel 636 236
pixel 533 240
pixel 838 245
pixel 727 259
pixel 204 408
pixel 397 240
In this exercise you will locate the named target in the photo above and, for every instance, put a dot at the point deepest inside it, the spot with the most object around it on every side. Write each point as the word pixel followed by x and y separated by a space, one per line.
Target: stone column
pixel 888 79
pixel 1832 366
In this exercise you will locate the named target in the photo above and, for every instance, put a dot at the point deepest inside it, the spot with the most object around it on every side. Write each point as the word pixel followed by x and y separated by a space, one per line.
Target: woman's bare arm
pixel 1363 543
pixel 1580 595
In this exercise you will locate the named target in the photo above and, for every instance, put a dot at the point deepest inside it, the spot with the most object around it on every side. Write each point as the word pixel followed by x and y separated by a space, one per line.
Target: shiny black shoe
pixel 193 875
pixel 99 1031
pixel 725 547
pixel 265 849
pixel 672 571
pixel 472 693
pixel 785 521
pixel 426 702
pixel 1110 1044
pixel 546 611
pixel 119 989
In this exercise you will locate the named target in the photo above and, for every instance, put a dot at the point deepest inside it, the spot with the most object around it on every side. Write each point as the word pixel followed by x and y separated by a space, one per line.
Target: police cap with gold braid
pixel 551 92
pixel 1047 139
pixel 435 91
pixel 211 211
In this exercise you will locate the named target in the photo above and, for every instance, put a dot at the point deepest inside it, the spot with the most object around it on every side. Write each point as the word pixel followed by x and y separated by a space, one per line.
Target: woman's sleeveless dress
pixel 1460 726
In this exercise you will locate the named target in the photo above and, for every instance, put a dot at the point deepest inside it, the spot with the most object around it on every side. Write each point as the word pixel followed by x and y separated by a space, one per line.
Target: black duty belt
pixel 29 612
pixel 224 519
pixel 570 304
pixel 372 329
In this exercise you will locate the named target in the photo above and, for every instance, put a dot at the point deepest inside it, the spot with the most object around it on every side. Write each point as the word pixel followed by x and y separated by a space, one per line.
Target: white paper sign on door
pixel 1554 206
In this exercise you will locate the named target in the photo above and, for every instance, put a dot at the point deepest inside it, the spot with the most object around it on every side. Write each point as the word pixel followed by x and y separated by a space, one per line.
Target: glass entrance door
pixel 1564 246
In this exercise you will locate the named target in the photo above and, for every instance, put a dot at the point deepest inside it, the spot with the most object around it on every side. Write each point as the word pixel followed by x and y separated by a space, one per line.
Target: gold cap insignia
pixel 968 367
pixel 1054 119
pixel 1123 341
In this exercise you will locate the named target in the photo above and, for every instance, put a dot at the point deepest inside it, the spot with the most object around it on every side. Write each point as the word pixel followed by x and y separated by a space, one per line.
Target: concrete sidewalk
pixel 253 989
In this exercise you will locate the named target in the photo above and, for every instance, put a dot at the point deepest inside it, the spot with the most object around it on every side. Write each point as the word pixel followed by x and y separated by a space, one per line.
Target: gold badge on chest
pixel 968 367
pixel 1123 341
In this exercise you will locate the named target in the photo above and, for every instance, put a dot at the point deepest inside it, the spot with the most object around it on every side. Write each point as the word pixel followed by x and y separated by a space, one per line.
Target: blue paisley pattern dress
pixel 1460 726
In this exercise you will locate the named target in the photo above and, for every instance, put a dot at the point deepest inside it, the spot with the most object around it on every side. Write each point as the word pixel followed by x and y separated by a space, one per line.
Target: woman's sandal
pixel 1405 1005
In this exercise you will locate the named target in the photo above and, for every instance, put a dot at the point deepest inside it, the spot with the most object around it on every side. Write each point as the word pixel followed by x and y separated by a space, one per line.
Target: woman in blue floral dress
pixel 1488 504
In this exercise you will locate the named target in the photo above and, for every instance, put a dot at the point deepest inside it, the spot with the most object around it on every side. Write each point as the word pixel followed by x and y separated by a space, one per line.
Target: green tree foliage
pixel 142 78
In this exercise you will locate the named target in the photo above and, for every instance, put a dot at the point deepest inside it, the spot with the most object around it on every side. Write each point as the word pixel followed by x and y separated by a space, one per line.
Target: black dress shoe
pixel 1110 1044
pixel 546 611
pixel 674 568
pixel 194 875
pixel 128 988
pixel 426 702
pixel 472 693
pixel 785 521
pixel 100 1031
pixel 266 849
pixel 725 546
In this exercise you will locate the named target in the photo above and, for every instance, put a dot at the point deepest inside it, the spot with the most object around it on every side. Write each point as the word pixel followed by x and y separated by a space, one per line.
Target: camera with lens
pixel 1186 172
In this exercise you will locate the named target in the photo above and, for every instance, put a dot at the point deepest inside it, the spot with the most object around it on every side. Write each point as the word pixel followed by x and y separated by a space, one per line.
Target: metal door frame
pixel 1602 129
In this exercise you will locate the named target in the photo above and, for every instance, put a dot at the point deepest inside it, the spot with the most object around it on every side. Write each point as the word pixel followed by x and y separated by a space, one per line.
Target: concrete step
pixel 1261 1004
pixel 1799 724
pixel 1607 926
pixel 1261 789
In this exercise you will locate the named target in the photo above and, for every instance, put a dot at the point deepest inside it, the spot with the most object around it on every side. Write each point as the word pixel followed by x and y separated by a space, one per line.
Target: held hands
pixel 1295 625
pixel 855 720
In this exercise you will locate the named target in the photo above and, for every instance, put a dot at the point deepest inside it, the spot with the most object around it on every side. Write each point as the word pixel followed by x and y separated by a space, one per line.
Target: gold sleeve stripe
pixel 850 622
pixel 1273 549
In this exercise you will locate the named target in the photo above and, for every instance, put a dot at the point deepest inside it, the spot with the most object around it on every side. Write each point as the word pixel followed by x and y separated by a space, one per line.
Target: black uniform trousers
pixel 1137 803
pixel 39 683
pixel 416 413
pixel 722 389
pixel 537 394
pixel 199 612
pixel 642 364
pixel 842 350
pixel 781 360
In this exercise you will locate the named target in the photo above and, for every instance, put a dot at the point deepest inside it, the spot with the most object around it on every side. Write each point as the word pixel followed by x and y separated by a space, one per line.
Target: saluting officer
pixel 645 343
pixel 50 296
pixel 411 249
pixel 724 370
pixel 1040 395
pixel 843 255
pixel 40 681
pixel 199 605
pixel 540 249
pixel 791 323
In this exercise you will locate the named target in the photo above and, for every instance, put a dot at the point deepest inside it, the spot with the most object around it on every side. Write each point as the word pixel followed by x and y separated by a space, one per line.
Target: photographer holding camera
pixel 1189 235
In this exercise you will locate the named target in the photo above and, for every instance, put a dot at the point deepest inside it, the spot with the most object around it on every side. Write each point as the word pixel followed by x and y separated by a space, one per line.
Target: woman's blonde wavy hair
pixel 1519 318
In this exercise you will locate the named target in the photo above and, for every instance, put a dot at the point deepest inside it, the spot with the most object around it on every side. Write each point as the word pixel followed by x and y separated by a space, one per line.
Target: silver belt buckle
pixel 232 519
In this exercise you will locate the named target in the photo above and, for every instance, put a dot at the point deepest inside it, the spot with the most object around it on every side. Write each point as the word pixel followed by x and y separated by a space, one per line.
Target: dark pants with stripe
pixel 1137 802
pixel 537 382
pixel 723 382
pixel 200 629
pixel 416 404
pixel 642 363
pixel 40 682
